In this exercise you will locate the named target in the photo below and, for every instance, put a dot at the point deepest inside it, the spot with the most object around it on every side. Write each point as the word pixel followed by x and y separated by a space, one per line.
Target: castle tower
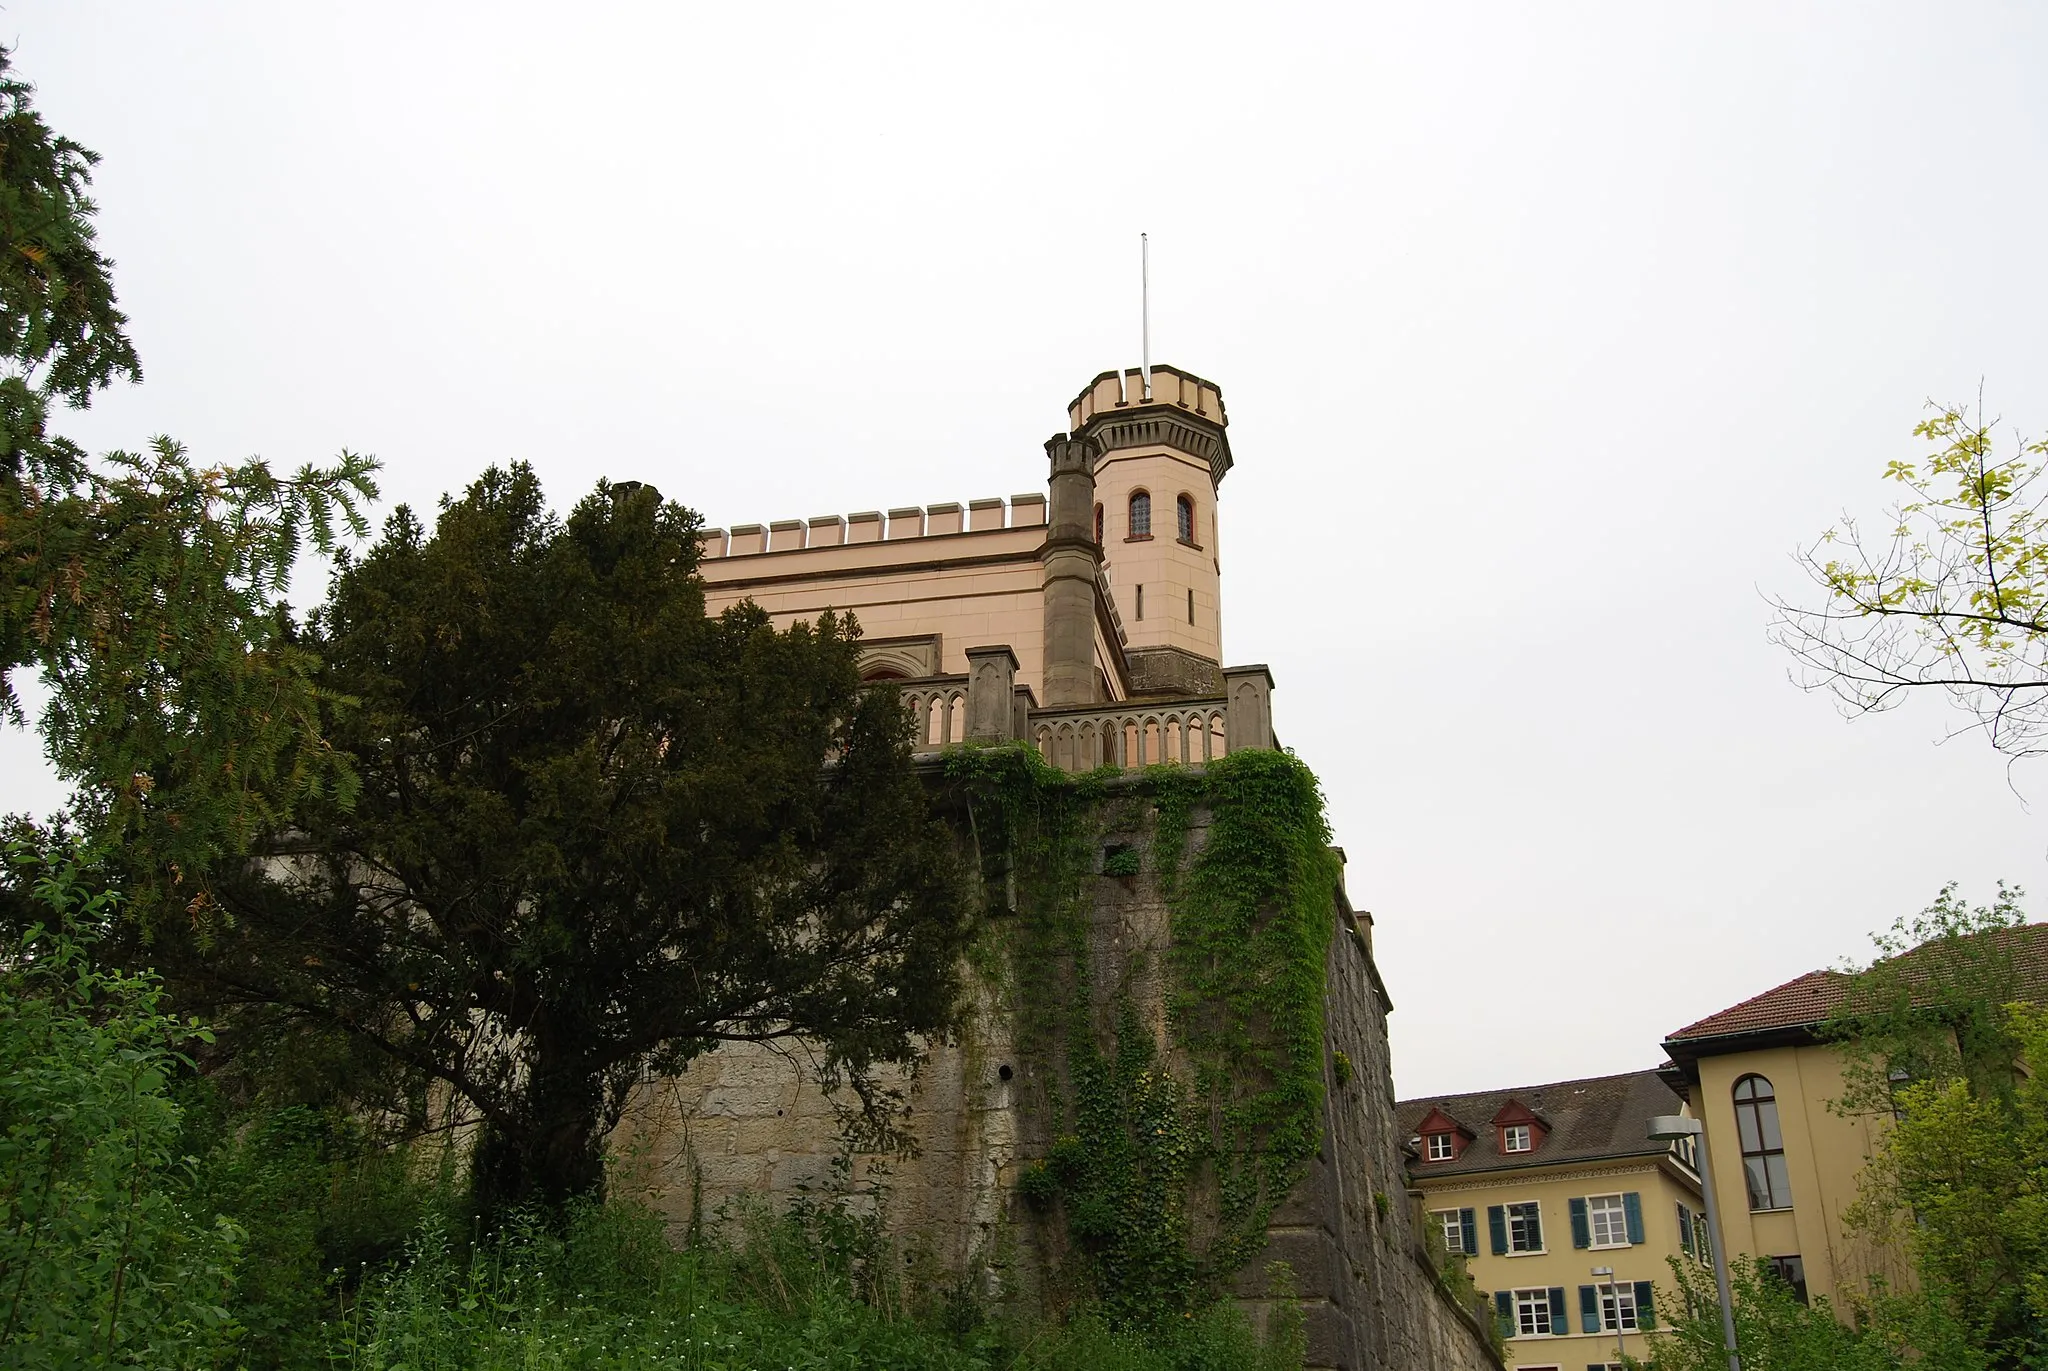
pixel 1157 465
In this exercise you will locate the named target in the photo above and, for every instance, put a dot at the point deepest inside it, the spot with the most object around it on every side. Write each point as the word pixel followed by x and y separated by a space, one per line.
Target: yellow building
pixel 1564 1208
pixel 1787 1158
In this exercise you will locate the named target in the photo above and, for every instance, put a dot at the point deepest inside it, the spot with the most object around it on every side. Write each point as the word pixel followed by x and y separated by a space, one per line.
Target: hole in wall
pixel 1004 1071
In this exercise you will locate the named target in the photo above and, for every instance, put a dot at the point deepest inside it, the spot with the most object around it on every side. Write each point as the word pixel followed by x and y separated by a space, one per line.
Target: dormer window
pixel 1439 1147
pixel 1516 1137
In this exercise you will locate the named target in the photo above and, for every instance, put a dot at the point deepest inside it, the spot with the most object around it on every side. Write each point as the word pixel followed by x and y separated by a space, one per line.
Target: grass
pixel 803 1293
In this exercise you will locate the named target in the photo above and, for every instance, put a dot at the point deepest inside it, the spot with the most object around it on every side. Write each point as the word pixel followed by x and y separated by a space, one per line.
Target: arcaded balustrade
pixel 986 704
pixel 1081 738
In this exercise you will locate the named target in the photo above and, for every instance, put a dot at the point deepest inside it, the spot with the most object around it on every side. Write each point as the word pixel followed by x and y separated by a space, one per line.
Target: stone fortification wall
pixel 747 1122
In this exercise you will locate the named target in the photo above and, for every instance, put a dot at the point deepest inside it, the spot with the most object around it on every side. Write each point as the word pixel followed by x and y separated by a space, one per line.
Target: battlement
pixel 1115 391
pixel 988 515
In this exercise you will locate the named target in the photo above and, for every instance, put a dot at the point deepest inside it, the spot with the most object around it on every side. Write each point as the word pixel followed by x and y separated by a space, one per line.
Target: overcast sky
pixel 1547 332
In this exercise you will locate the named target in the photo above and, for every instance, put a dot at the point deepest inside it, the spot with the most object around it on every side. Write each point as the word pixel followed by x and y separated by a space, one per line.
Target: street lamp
pixel 1669 1128
pixel 1614 1296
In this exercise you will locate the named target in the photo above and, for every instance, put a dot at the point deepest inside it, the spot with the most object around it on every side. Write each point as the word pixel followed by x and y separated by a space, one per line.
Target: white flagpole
pixel 1145 311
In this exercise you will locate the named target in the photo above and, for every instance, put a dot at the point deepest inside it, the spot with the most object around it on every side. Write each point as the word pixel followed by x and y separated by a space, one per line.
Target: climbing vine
pixel 1167 1158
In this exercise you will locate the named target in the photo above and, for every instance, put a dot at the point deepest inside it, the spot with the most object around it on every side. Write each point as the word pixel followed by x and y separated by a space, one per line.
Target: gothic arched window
pixel 1184 510
pixel 1098 523
pixel 1141 514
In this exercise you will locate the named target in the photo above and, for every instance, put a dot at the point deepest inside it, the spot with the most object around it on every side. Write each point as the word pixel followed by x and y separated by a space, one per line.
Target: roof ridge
pixel 1523 1089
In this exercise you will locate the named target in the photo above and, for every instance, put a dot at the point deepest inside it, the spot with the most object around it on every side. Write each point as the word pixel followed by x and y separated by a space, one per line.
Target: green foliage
pixel 1252 922
pixel 58 320
pixel 1123 862
pixel 606 1291
pixel 1775 1332
pixel 593 839
pixel 1166 1180
pixel 1958 1183
pixel 146 589
pixel 1951 595
pixel 105 1258
pixel 1932 1005
pixel 317 1200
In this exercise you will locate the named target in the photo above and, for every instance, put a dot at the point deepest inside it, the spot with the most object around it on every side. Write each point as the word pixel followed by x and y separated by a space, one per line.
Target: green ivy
pixel 1165 1178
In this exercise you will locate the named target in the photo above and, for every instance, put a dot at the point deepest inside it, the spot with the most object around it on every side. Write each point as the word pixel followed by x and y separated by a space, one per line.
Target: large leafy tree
pixel 598 833
pixel 145 588
pixel 1947 595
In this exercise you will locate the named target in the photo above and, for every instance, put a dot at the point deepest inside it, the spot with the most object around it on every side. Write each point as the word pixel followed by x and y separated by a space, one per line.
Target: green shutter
pixel 1632 1209
pixel 1560 1322
pixel 1646 1308
pixel 1685 1230
pixel 1497 1228
pixel 1504 1310
pixel 1589 1309
pixel 1536 1228
pixel 1469 1231
pixel 1582 1232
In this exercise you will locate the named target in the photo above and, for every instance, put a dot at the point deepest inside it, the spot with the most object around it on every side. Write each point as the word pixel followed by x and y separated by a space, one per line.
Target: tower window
pixel 1141 516
pixel 1191 604
pixel 1763 1146
pixel 1141 602
pixel 1098 523
pixel 1184 511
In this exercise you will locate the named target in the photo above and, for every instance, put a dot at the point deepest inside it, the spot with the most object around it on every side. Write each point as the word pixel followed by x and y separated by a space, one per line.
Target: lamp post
pixel 1669 1128
pixel 1614 1294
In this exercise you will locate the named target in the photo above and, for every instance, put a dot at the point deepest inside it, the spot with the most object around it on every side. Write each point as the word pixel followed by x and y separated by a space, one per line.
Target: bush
pixel 105 1260
pixel 809 1291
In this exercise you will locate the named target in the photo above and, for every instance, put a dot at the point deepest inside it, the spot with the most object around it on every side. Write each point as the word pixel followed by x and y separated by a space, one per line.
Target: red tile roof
pixel 1808 1001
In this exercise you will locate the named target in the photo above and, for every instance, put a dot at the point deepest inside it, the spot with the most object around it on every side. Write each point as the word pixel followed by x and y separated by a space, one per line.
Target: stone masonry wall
pixel 747 1122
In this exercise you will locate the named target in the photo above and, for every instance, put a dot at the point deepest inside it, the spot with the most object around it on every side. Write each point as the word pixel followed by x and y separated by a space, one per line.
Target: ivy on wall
pixel 1168 1158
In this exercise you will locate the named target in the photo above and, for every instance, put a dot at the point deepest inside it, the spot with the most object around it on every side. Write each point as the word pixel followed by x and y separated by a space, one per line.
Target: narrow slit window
pixel 1191 605
pixel 1098 523
pixel 1141 602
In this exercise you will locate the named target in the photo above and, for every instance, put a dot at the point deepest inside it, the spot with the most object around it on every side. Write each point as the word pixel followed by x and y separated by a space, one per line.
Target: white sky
pixel 1546 338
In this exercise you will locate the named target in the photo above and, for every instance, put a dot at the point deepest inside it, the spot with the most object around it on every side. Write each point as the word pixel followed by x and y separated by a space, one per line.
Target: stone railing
pixel 987 705
pixel 1132 734
pixel 938 709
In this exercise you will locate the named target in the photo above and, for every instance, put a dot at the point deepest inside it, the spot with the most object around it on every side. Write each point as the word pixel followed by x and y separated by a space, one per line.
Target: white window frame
pixel 1618 1213
pixel 1524 1303
pixel 1452 1223
pixel 1429 1146
pixel 1618 1294
pixel 1509 1215
pixel 1509 1133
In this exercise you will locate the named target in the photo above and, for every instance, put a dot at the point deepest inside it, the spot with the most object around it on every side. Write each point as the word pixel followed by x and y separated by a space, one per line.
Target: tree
pixel 1953 598
pixel 1774 1331
pixel 146 589
pixel 1937 1032
pixel 597 832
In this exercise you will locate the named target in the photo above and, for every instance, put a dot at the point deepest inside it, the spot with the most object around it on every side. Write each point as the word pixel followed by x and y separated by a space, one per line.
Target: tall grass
pixel 791 1294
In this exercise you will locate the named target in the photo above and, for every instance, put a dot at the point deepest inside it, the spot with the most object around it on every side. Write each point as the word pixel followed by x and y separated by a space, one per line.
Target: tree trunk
pixel 553 1156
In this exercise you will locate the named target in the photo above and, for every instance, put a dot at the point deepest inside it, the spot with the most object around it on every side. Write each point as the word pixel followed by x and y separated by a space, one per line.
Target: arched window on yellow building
pixel 1763 1144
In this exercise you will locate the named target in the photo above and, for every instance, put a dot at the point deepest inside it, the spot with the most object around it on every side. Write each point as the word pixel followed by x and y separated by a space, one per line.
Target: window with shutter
pixel 1525 1227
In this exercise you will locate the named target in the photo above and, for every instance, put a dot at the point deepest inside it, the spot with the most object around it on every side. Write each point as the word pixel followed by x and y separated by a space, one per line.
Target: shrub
pixel 104 1258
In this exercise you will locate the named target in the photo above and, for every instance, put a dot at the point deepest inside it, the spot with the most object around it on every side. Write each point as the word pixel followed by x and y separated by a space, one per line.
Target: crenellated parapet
pixel 987 515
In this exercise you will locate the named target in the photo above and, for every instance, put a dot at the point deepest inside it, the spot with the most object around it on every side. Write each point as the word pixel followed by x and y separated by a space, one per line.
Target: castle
pixel 1085 623
pixel 1088 623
